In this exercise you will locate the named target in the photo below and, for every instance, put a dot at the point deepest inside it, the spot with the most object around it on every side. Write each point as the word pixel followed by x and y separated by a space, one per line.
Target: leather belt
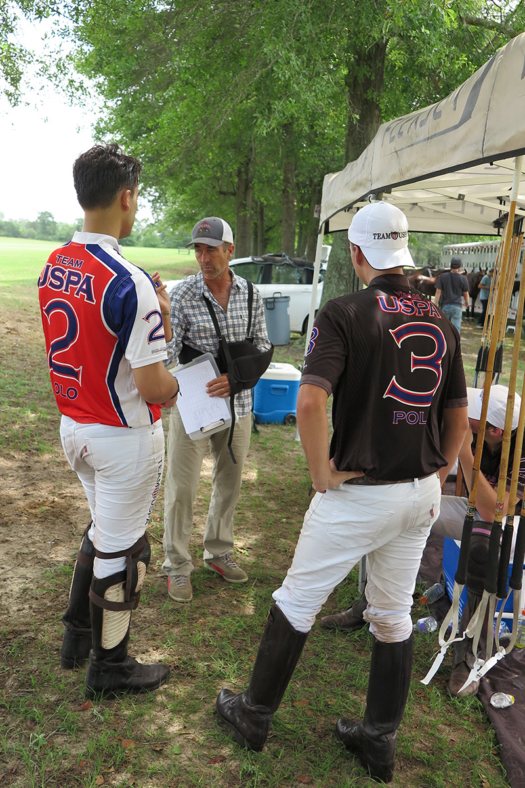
pixel 368 481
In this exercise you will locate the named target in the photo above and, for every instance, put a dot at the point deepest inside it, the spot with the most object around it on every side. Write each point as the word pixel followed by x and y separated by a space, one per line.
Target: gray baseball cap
pixel 211 231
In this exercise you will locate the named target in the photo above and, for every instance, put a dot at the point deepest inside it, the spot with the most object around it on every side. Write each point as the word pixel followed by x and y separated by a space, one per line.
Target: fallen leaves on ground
pixel 126 743
pixel 300 703
pixel 303 778
pixel 85 706
pixel 217 759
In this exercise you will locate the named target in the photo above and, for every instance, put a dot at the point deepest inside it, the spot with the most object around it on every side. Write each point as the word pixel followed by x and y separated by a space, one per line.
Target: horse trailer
pixel 476 256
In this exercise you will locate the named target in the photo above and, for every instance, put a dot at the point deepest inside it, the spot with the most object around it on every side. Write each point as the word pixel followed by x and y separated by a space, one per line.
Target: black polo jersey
pixel 393 362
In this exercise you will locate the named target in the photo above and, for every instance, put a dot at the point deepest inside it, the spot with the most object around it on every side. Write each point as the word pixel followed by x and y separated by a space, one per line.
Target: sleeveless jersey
pixel 101 320
pixel 393 362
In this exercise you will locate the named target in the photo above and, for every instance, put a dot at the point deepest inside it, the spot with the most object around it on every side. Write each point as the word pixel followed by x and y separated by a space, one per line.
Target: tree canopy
pixel 239 108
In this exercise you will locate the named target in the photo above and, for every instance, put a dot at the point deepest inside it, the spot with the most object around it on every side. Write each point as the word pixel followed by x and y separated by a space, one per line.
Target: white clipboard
pixel 201 414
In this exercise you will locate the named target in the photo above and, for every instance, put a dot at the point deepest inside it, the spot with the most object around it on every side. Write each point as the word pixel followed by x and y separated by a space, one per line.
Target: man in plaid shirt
pixel 194 333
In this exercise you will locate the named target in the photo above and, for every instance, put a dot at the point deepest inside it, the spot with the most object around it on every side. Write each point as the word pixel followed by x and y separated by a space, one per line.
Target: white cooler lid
pixel 278 371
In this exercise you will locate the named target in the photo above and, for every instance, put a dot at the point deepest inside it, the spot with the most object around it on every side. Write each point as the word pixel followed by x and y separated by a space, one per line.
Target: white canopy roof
pixel 450 166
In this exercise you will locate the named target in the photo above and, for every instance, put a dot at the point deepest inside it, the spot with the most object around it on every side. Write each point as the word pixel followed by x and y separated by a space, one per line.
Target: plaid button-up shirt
pixel 191 323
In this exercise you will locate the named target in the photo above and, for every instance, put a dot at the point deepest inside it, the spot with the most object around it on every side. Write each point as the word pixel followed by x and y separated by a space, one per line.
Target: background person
pixel 454 287
pixel 484 293
pixel 377 483
pixel 105 338
pixel 194 334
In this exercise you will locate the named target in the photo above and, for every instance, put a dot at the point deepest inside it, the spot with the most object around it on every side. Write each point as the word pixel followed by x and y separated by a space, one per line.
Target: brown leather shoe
pixel 350 620
pixel 458 677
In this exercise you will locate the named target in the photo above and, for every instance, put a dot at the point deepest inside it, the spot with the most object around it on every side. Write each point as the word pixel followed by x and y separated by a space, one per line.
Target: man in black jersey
pixel 393 364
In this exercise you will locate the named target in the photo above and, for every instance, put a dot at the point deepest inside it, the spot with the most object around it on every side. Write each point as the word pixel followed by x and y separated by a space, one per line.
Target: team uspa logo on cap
pixel 204 228
pixel 391 236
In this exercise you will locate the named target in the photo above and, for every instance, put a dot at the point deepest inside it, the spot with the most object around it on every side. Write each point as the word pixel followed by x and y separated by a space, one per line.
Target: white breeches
pixel 389 524
pixel 121 471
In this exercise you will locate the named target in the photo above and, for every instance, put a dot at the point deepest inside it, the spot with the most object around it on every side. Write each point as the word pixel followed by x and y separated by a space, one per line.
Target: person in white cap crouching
pixel 451 519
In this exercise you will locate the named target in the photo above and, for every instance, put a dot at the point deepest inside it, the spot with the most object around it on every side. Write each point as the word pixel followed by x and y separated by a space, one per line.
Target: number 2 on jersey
pixel 63 343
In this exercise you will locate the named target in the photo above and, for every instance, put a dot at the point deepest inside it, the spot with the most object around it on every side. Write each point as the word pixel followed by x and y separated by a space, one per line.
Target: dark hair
pixel 455 262
pixel 101 173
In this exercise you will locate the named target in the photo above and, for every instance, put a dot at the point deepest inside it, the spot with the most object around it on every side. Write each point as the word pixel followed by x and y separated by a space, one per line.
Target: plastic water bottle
pixel 427 624
pixel 432 594
pixel 504 631
pixel 520 637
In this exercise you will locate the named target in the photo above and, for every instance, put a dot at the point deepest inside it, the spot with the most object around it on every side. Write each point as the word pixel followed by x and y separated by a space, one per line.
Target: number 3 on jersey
pixel 433 362
pixel 64 342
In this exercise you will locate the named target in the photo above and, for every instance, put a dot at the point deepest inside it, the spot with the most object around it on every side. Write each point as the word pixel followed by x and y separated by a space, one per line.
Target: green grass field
pixel 21 260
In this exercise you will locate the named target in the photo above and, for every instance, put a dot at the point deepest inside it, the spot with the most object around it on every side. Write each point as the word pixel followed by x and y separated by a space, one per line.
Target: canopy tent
pixel 449 166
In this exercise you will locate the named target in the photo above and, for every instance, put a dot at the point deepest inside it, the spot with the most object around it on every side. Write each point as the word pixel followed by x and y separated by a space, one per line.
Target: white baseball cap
pixel 381 232
pixel 497 406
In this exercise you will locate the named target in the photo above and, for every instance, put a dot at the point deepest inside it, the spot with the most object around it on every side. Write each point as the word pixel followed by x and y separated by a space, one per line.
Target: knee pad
pixel 119 594
pixel 477 563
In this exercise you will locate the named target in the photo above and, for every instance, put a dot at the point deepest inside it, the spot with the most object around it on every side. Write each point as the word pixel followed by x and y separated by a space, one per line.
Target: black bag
pixel 242 361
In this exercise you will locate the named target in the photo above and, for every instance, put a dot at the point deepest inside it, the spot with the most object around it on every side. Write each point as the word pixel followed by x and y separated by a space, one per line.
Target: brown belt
pixel 367 480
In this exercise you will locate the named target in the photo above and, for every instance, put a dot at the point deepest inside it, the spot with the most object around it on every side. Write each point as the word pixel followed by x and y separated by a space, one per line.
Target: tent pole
pixel 311 316
pixel 315 282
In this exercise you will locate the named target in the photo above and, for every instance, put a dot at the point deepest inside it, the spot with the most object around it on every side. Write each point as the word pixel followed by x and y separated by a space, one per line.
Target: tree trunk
pixel 288 201
pixel 243 216
pixel 340 276
pixel 258 245
pixel 364 82
pixel 313 221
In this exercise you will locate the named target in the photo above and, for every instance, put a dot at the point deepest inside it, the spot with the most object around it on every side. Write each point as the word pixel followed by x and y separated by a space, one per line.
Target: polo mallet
pixel 452 617
pixel 475 624
pixel 481 362
pixel 506 542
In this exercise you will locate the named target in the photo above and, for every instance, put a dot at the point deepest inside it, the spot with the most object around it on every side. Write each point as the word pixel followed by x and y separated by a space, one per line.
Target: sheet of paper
pixel 197 409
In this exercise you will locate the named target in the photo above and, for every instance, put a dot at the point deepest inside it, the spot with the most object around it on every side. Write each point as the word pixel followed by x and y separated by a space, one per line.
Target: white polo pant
pixel 121 471
pixel 389 524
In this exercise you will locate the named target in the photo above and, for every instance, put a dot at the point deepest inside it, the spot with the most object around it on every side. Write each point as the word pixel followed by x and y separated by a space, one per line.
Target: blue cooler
pixel 275 395
pixel 450 565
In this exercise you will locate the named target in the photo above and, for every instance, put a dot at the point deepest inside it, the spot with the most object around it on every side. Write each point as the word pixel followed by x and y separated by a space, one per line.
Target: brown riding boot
pixel 248 714
pixel 350 620
pixel 76 644
pixel 374 739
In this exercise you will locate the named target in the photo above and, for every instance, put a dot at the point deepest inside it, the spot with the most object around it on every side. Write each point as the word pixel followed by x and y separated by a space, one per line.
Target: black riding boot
pixel 250 713
pixel 350 620
pixel 76 644
pixel 463 657
pixel 111 670
pixel 374 739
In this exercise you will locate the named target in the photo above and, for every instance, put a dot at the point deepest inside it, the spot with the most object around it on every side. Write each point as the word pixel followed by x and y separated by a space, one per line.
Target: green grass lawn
pixel 21 260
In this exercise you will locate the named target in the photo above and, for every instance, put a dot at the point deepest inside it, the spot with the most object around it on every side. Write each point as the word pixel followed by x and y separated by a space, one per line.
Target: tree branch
pixel 490 24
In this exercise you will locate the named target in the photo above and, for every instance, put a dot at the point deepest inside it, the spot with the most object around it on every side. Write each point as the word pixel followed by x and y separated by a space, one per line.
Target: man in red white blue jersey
pixel 105 324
